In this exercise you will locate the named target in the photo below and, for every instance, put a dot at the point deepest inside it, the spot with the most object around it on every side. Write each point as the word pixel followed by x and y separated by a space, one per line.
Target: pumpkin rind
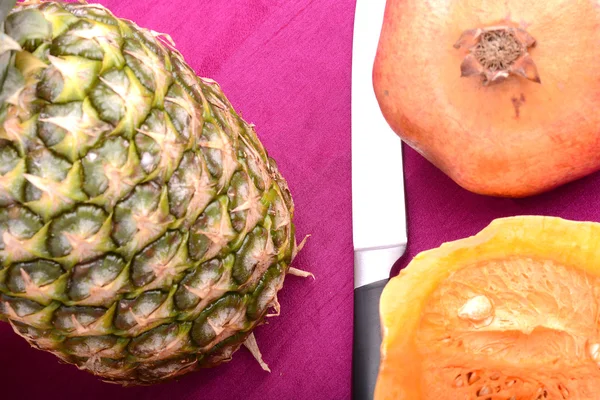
pixel 566 249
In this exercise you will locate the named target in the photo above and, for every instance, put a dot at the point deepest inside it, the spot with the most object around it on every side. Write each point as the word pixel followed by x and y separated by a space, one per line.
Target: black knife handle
pixel 367 340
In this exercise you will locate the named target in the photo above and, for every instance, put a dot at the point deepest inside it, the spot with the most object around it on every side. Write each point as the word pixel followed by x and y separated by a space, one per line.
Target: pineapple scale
pixel 144 231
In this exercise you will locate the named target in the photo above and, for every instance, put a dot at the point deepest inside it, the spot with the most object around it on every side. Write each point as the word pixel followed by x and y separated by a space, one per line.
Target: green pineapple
pixel 144 231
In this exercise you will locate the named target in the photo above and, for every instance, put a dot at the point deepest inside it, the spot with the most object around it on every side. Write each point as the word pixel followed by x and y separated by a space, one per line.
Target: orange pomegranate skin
pixel 515 138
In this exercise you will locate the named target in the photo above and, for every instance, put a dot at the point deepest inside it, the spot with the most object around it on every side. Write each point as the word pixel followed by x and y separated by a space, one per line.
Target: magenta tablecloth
pixel 286 65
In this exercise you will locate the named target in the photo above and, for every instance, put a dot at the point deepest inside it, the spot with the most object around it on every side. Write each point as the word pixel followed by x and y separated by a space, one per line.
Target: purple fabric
pixel 286 65
pixel 439 210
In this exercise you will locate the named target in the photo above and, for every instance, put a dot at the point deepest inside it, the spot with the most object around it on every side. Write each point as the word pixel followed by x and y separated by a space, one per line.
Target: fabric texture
pixel 285 65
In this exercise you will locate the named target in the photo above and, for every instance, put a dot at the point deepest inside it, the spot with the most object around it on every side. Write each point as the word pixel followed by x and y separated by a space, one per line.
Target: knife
pixel 378 208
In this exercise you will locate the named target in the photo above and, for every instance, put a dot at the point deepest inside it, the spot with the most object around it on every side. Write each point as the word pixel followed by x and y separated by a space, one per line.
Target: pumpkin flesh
pixel 511 313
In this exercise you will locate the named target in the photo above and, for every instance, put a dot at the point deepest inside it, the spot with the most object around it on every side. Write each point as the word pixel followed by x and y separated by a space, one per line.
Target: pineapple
pixel 144 231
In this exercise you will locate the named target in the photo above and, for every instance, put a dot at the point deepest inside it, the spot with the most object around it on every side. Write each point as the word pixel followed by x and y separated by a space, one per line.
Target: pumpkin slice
pixel 512 313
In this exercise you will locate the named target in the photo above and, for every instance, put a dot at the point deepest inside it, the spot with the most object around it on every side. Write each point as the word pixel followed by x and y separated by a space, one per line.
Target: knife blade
pixel 378 204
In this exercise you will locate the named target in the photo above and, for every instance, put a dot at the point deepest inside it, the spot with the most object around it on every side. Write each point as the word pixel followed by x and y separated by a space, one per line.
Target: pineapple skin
pixel 144 231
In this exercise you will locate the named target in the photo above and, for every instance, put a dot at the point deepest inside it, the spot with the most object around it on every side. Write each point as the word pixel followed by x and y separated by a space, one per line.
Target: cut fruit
pixel 509 314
